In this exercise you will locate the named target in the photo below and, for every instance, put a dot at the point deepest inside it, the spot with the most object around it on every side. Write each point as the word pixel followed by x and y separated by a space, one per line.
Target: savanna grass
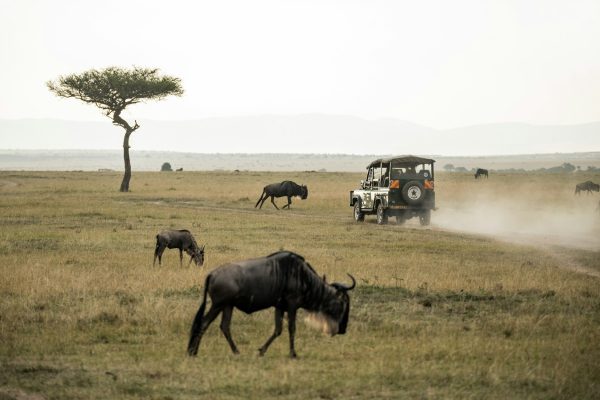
pixel 436 314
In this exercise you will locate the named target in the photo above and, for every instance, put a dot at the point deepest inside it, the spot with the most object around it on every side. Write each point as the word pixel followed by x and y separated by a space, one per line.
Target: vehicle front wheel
pixel 382 217
pixel 358 215
pixel 425 217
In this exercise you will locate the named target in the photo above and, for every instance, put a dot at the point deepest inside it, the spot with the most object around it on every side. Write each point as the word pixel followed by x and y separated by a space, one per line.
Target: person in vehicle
pixel 385 178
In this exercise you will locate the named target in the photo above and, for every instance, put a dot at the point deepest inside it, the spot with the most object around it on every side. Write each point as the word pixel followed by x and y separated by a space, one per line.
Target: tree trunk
pixel 117 120
pixel 127 176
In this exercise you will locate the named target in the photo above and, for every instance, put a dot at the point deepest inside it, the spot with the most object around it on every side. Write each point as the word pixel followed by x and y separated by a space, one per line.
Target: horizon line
pixel 382 119
pixel 300 154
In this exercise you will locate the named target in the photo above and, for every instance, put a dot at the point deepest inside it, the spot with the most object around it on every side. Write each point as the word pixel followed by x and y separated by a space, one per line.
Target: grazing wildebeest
pixel 181 239
pixel 283 280
pixel 481 172
pixel 588 186
pixel 285 188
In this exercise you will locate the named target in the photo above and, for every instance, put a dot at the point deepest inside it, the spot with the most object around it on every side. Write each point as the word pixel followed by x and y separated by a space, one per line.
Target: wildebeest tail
pixel 155 251
pixel 197 324
pixel 260 198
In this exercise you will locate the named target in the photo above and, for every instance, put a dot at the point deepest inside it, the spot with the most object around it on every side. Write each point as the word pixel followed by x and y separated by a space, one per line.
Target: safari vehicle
pixel 398 186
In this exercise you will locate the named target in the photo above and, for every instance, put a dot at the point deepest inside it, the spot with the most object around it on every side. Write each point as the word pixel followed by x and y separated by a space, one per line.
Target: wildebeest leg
pixel 181 257
pixel 278 329
pixel 273 201
pixel 225 323
pixel 292 330
pixel 288 203
pixel 191 254
pixel 205 322
pixel 158 252
pixel 263 198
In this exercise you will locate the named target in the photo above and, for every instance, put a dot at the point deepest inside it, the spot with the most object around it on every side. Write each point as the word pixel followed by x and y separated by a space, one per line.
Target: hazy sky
pixel 442 64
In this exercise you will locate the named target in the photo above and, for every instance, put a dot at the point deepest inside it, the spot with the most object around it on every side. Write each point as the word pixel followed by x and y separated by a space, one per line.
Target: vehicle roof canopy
pixel 407 159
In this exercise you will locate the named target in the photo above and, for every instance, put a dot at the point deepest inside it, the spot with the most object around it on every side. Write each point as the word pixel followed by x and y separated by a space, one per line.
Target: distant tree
pixel 449 167
pixel 112 90
pixel 568 167
pixel 166 167
pixel 461 169
pixel 565 167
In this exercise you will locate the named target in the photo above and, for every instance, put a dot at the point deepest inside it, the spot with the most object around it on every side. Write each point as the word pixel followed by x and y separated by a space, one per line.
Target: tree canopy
pixel 113 89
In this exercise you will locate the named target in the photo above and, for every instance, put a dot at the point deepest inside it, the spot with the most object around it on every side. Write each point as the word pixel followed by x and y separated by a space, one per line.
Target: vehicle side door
pixel 367 201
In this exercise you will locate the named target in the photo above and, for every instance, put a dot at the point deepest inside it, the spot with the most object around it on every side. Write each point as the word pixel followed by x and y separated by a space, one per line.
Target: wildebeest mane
pixel 313 286
pixel 286 252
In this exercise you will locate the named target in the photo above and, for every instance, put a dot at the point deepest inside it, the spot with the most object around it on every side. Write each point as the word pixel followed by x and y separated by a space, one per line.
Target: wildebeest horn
pixel 341 286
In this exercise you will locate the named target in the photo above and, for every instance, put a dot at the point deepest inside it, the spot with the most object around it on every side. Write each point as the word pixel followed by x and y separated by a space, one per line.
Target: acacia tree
pixel 112 90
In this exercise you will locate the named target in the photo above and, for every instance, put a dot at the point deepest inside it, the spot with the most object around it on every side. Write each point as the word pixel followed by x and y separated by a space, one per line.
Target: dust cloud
pixel 518 217
pixel 322 323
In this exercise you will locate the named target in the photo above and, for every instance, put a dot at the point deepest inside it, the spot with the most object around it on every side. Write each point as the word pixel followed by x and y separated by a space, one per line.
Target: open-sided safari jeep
pixel 398 186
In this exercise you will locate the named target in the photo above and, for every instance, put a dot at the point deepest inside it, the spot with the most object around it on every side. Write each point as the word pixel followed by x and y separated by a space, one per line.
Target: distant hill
pixel 303 134
pixel 93 160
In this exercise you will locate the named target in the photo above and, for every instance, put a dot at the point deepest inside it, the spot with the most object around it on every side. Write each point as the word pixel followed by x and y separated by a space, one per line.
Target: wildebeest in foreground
pixel 285 188
pixel 588 186
pixel 283 280
pixel 181 239
pixel 481 172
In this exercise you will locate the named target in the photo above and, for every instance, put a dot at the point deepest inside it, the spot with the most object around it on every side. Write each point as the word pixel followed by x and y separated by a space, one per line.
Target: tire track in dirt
pixel 6 184
pixel 563 260
pixel 569 263
pixel 555 247
pixel 552 246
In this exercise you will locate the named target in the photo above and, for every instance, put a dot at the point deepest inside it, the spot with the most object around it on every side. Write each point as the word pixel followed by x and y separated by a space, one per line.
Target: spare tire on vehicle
pixel 413 193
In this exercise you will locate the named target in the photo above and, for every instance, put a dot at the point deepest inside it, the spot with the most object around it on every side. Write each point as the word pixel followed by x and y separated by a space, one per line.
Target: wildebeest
pixel 285 188
pixel 588 186
pixel 481 172
pixel 283 280
pixel 181 239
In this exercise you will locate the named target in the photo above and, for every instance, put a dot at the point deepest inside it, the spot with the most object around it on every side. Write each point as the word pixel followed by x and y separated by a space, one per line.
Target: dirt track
pixel 551 244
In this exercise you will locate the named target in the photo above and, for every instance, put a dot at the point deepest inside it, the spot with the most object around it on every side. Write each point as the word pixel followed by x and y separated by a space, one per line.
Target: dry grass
pixel 436 314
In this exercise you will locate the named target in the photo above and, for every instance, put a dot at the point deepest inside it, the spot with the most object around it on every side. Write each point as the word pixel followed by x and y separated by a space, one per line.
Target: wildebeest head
pixel 303 192
pixel 198 256
pixel 333 315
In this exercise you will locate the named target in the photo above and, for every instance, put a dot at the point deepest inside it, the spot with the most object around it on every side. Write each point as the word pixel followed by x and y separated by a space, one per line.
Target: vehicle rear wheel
pixel 413 193
pixel 382 217
pixel 425 217
pixel 358 215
